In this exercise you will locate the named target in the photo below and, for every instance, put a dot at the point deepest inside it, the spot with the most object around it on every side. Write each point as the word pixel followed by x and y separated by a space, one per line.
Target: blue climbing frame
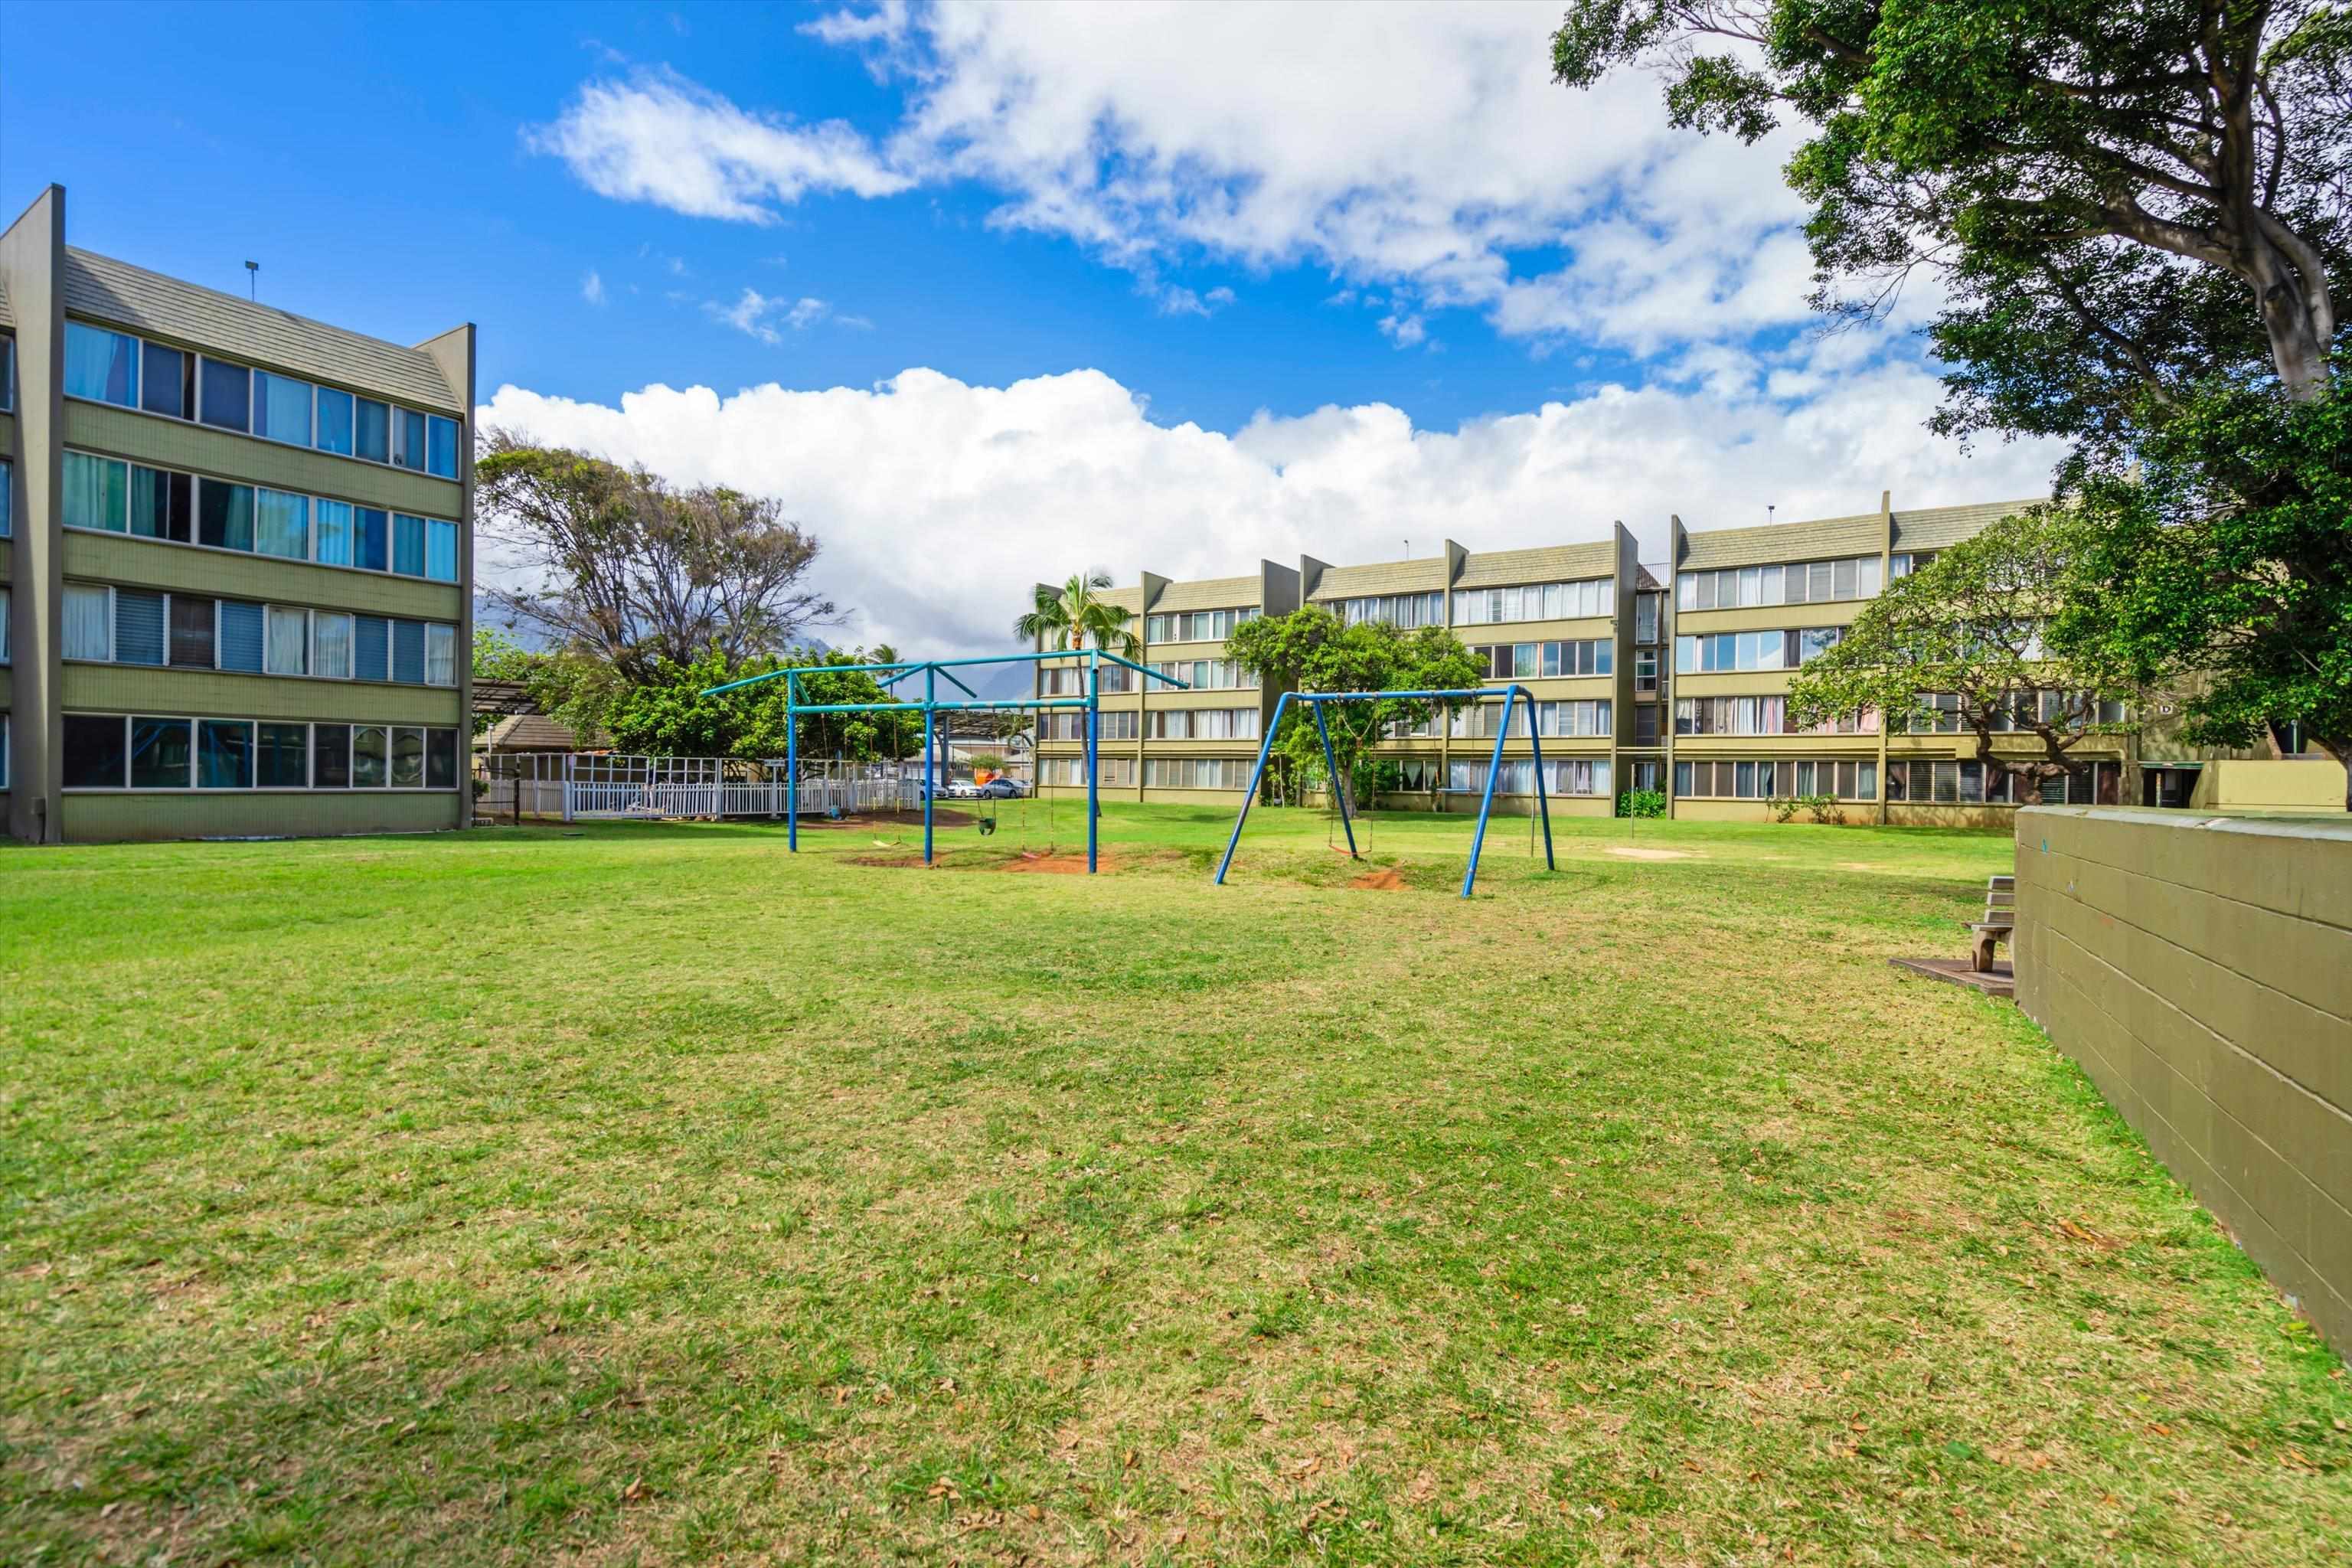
pixel 1318 701
pixel 934 670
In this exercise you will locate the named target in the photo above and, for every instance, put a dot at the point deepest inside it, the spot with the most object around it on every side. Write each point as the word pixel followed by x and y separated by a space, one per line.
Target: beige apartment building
pixel 235 560
pixel 1673 678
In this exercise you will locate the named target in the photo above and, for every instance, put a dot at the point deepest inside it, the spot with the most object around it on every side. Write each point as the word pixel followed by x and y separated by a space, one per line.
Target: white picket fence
pixel 594 800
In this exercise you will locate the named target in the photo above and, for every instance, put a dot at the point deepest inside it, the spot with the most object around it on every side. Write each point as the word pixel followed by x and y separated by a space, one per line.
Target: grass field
pixel 642 1195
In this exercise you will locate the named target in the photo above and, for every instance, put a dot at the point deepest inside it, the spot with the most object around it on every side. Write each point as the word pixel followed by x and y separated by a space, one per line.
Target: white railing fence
pixel 578 787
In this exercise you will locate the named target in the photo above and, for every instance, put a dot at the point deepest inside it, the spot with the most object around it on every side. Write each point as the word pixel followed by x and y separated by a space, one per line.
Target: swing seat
pixel 987 825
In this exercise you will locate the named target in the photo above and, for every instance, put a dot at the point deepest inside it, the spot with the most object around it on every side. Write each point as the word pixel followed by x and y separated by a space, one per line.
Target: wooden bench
pixel 1999 920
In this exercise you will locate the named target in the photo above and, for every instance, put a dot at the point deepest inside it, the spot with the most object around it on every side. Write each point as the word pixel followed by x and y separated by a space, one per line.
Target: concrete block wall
pixel 2200 968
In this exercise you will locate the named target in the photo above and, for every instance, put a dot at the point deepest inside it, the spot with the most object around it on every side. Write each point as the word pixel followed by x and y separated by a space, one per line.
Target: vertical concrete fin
pixel 32 266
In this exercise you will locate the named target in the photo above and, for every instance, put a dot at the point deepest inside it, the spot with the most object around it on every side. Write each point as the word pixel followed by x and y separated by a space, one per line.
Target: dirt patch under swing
pixel 1070 865
pixel 1631 853
pixel 1387 880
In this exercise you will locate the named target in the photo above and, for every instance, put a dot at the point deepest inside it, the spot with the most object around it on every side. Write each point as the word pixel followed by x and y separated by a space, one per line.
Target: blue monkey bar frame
pixel 1318 700
pixel 933 671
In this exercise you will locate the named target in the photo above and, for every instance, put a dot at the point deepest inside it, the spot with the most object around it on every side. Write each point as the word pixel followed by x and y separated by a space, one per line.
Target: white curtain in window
pixel 88 623
pixel 331 648
pixel 286 641
pixel 440 656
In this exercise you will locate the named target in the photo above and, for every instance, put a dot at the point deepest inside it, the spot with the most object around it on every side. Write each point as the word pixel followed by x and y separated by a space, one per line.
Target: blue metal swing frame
pixel 934 670
pixel 1318 701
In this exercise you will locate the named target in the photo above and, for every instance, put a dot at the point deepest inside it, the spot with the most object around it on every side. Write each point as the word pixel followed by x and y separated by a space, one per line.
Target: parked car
pixel 958 789
pixel 1000 789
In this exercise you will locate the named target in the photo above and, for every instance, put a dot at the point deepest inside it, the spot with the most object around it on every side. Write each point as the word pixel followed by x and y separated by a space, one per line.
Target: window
pixel 139 634
pixel 282 524
pixel 331 520
pixel 163 505
pixel 96 492
pixel 371 756
pixel 408 652
pixel 223 514
pixel 330 644
pixel 407 758
pixel 1845 781
pixel 1814 641
pixel 94 753
pixel 281 756
pixel 1533 602
pixel 160 753
pixel 192 632
pixel 101 365
pixel 375 536
pixel 225 395
pixel 441 447
pixel 441 761
pixel 287 641
pixel 1204 724
pixel 1730 715
pixel 1734 650
pixel 223 753
pixel 1529 661
pixel 372 435
pixel 7 495
pixel 1196 625
pixel 334 421
pixel 281 408
pixel 89 622
pixel 240 637
pixel 441 563
pixel 441 669
pixel 408 545
pixel 407 439
pixel 330 756
pixel 4 626
pixel 167 381
pixel 1196 773
pixel 371 648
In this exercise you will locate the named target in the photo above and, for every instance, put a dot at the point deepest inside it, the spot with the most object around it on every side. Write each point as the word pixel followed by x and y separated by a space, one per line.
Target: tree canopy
pixel 1312 649
pixel 2119 199
pixel 633 572
pixel 1962 641
pixel 669 713
pixel 2222 561
pixel 1071 614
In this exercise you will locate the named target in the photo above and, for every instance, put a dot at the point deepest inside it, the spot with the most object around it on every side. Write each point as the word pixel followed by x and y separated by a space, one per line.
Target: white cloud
pixel 1404 330
pixel 1176 302
pixel 1421 147
pixel 756 314
pixel 591 287
pixel 939 502
pixel 656 137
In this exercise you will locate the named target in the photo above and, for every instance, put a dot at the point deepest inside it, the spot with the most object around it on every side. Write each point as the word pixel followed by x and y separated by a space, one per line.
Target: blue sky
pixel 1400 283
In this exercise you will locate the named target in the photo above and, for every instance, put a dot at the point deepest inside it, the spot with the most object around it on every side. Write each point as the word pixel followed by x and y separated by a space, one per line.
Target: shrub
pixel 1642 803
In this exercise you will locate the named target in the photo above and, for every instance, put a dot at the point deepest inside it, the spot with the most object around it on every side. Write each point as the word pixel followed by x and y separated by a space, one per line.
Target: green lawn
pixel 642 1195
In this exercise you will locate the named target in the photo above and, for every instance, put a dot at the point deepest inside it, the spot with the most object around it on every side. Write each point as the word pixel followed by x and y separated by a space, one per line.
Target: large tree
pixel 632 572
pixel 674 711
pixel 2120 198
pixel 1961 642
pixel 1313 650
pixel 2222 562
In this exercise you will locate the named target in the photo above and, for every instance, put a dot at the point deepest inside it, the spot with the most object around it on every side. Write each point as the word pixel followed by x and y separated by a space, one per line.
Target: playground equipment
pixel 1317 701
pixel 933 671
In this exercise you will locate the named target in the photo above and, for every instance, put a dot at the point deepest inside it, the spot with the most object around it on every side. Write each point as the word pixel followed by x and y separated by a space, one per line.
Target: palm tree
pixel 1067 616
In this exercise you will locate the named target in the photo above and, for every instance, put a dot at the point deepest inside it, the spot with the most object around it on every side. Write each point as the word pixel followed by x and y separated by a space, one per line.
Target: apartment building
pixel 236 548
pixel 1672 678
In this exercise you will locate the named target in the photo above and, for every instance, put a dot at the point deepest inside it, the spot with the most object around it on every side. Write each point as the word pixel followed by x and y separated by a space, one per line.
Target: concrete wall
pixel 2200 971
pixel 2314 785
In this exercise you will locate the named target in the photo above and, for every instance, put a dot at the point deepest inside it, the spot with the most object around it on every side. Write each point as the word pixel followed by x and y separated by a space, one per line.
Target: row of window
pixel 1567 775
pixel 1197 772
pixel 1548 719
pixel 1209 674
pixel 1753 651
pixel 1406 610
pixel 1528 661
pixel 1204 724
pixel 111 751
pixel 1533 601
pixel 109 624
pixel 107 366
pixel 110 496
pixel 1962 782
pixel 1938 713
pixel 1759 716
pixel 1196 625
pixel 1801 582
pixel 7 496
pixel 1767 778
pixel 1071 771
